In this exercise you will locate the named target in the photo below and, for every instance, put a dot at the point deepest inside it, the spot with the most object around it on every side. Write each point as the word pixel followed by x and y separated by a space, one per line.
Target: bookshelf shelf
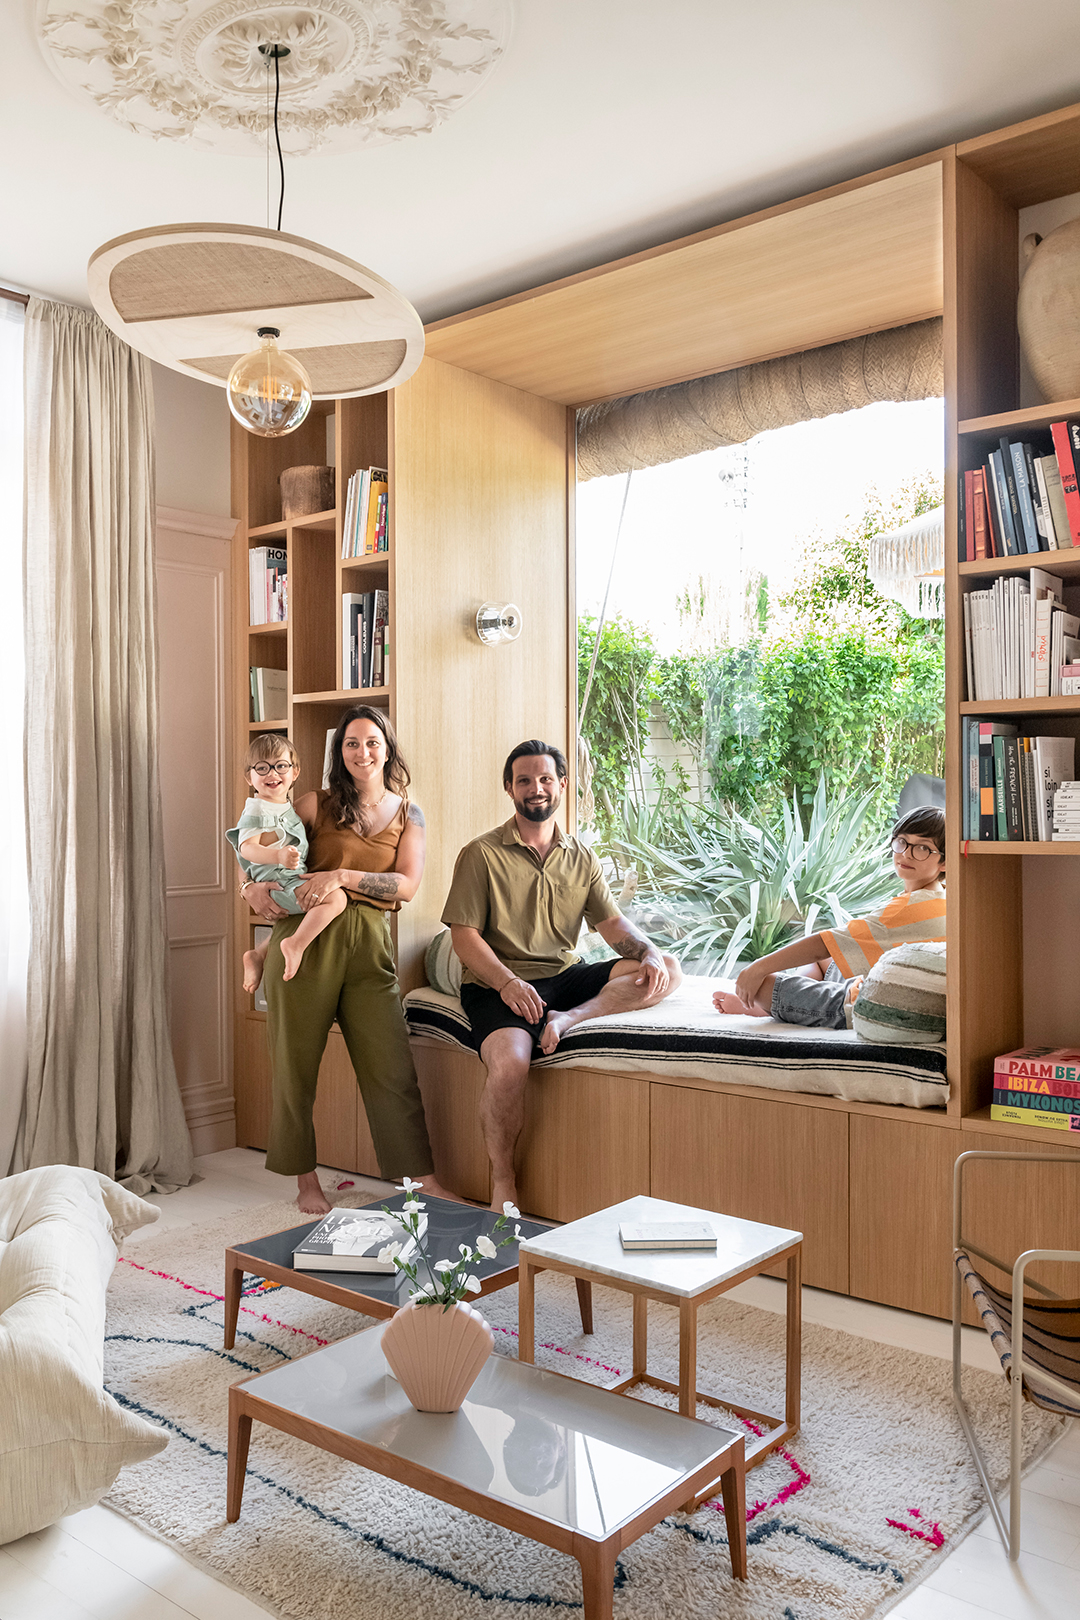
pixel 345 695
pixel 311 520
pixel 1036 417
pixel 1055 562
pixel 1001 846
pixel 279 629
pixel 980 1121
pixel 1021 706
pixel 267 725
pixel 380 562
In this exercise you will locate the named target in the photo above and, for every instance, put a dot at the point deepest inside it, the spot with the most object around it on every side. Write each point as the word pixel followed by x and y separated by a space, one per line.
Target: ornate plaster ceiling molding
pixel 358 72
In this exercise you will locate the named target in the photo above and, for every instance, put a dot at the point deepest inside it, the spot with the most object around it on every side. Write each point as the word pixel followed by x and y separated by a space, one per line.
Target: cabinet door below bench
pixel 777 1162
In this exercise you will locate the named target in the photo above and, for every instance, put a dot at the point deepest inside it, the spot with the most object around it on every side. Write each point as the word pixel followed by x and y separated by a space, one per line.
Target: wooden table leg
pixel 526 1310
pixel 688 1357
pixel 234 1280
pixel 239 1436
pixel 733 1486
pixel 641 1334
pixel 597 1580
pixel 584 1299
pixel 793 1379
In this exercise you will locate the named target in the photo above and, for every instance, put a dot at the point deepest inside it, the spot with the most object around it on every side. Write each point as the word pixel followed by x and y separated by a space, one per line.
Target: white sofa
pixel 63 1440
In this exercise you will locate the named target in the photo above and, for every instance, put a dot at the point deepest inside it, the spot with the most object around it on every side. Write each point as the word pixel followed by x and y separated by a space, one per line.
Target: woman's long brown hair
pixel 343 801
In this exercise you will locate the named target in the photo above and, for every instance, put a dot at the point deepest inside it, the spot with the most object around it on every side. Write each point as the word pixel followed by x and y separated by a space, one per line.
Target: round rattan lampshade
pixel 193 297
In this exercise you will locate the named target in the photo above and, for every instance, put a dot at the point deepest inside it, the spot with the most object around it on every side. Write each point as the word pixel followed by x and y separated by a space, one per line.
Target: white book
pixel 1058 511
pixel 667 1235
pixel 1048 524
pixel 350 653
pixel 346 524
pixel 273 695
pixel 1055 762
pixel 968 654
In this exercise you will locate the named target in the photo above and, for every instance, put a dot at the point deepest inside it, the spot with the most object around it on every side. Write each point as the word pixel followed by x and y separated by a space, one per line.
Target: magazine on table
pixel 352 1240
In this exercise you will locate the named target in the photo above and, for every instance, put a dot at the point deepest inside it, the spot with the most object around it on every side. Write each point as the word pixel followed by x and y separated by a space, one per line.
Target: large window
pixel 754 705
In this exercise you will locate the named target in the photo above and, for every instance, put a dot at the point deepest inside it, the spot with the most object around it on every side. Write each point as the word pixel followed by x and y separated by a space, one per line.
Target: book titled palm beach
pixel 1038 1085
pixel 352 1240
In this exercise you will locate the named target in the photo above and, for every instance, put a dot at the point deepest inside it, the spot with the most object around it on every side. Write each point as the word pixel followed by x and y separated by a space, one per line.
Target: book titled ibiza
pixel 352 1240
pixel 667 1235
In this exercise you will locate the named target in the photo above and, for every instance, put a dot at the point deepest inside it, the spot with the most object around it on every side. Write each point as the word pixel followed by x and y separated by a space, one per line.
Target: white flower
pixel 463 1248
pixel 510 1212
pixel 517 1231
pixel 486 1247
pixel 408 1186
pixel 389 1252
pixel 422 1293
pixel 444 1265
pixel 472 1285
pixel 410 1206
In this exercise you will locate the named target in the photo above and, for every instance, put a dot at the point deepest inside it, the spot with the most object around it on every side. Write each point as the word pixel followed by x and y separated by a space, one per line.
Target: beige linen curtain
pixel 101 1087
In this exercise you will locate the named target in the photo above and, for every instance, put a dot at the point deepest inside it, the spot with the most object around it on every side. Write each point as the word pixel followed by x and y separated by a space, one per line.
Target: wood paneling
pixel 479 505
pixel 450 1084
pixel 775 1162
pixel 585 1144
pixel 1030 162
pixel 853 259
pixel 253 1082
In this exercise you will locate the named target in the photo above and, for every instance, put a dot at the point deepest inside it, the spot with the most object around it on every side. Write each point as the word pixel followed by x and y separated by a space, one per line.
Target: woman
pixel 366 838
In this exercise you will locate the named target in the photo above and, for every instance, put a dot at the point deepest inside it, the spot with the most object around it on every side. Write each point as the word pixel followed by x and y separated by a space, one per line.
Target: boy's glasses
pixel 920 852
pixel 263 768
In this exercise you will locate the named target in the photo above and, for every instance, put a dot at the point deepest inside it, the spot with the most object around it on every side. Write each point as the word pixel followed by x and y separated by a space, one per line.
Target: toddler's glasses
pixel 920 852
pixel 263 768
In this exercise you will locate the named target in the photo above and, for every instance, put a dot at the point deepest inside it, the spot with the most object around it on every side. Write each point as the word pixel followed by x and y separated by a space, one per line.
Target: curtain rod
pixel 16 298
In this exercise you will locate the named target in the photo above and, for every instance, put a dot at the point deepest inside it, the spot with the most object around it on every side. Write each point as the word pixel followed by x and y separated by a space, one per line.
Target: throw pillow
pixel 901 1002
pixel 443 965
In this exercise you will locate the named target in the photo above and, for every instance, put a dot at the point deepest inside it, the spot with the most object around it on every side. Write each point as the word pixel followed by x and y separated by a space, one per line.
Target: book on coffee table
pixel 352 1240
pixel 667 1235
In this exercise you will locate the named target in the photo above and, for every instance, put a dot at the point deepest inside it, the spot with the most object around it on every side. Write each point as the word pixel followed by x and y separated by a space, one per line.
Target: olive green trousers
pixel 347 974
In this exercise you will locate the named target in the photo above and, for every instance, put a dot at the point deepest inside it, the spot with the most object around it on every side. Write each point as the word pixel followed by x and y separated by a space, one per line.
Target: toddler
pixel 271 845
pixel 814 980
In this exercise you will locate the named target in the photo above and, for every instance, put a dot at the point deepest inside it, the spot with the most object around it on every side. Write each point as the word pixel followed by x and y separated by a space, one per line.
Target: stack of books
pixel 1067 814
pixel 364 532
pixel 1038 1085
pixel 268 585
pixel 1023 498
pixel 1018 638
pixel 1010 782
pixel 365 639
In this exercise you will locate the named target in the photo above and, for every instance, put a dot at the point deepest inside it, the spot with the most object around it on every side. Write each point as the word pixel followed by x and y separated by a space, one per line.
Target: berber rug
pixel 874 1491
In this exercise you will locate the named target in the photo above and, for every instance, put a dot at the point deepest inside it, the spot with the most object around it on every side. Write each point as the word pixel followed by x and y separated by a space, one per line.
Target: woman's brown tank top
pixel 331 847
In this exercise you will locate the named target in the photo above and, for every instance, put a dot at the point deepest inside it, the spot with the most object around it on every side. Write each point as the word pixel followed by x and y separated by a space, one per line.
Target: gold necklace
pixel 372 804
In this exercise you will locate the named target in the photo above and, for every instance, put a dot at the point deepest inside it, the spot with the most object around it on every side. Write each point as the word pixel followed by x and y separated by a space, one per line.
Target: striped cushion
pixel 443 965
pixel 902 999
pixel 1051 1335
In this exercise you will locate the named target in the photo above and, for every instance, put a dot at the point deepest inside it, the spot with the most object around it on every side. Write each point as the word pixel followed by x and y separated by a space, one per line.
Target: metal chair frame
pixel 1022 1371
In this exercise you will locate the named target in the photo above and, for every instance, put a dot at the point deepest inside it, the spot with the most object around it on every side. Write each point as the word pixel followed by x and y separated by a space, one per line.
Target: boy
pixel 814 980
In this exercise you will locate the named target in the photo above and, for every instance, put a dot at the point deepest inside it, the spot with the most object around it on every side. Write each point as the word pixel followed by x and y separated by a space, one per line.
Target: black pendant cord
pixel 277 137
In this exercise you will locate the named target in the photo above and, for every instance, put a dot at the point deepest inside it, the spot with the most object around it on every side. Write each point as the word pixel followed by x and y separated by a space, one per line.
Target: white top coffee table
pixel 590 1250
pixel 550 1457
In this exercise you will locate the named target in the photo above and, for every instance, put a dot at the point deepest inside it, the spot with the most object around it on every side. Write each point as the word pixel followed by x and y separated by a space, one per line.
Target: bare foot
pixel 293 954
pixel 253 971
pixel 503 1192
pixel 556 1027
pixel 310 1198
pixel 726 1001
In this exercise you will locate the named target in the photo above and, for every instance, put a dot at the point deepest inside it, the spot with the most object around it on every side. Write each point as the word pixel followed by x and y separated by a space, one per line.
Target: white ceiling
pixel 609 126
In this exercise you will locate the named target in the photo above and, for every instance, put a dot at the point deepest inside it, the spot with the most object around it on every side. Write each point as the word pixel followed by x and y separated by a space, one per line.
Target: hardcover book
pixel 1033 1116
pixel 352 1240
pixel 667 1235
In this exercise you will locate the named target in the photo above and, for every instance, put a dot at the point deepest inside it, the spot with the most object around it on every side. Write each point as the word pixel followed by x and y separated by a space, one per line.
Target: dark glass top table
pixel 381 1293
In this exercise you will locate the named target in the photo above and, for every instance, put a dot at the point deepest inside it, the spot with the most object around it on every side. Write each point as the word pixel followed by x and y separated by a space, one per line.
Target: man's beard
pixel 539 812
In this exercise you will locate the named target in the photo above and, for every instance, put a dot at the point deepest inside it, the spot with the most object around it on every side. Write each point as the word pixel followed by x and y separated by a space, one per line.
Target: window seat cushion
pixel 684 1037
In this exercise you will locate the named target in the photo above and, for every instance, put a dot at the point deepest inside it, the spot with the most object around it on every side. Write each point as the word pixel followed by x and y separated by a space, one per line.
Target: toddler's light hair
pixel 268 746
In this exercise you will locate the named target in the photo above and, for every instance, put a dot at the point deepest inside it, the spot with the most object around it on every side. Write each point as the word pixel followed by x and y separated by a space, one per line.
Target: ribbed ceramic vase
pixel 436 1355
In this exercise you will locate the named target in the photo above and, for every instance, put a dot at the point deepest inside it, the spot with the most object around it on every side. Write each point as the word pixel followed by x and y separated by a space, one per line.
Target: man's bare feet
pixel 310 1198
pixel 253 971
pixel 503 1192
pixel 554 1029
pixel 726 1001
pixel 293 954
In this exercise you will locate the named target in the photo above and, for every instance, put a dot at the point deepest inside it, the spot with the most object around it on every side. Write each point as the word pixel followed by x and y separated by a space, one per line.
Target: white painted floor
pixel 97 1566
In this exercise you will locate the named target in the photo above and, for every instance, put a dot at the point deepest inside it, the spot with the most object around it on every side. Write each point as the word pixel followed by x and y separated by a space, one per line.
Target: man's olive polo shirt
pixel 528 913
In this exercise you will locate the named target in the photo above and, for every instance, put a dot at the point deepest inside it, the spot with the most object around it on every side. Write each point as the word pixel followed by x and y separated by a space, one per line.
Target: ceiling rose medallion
pixel 358 72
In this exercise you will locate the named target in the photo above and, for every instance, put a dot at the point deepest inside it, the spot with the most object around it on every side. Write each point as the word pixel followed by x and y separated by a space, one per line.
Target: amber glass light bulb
pixel 269 392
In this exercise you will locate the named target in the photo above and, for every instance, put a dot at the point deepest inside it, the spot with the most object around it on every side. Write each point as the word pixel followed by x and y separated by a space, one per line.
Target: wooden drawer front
pixel 341 1132
pixel 585 1144
pixel 764 1161
pixel 252 1084
pixel 450 1084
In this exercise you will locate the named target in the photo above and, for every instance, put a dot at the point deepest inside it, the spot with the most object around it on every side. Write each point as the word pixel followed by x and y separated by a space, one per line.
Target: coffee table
pixel 379 1293
pixel 589 1250
pixel 547 1456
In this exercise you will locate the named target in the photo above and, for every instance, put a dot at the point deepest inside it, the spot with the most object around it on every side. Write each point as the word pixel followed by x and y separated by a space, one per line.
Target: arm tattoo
pixel 633 949
pixel 379 885
pixel 416 816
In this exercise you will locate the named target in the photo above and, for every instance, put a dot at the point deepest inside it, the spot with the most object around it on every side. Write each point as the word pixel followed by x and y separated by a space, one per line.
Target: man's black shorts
pixel 487 1011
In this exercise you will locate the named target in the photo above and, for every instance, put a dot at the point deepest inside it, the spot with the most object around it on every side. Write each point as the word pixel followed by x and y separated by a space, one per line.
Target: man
pixel 515 909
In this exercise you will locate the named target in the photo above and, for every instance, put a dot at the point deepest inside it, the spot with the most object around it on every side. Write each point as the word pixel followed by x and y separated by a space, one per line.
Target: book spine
pixel 1032 1116
pixel 987 819
pixel 1025 508
pixel 1035 1086
pixel 1059 432
pixel 965 534
pixel 1000 818
pixel 1014 820
pixel 1013 519
pixel 980 536
pixel 994 547
pixel 1040 1103
pixel 1038 500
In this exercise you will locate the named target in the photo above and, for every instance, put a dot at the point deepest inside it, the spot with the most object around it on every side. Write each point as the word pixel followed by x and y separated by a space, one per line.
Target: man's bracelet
pixel 511 980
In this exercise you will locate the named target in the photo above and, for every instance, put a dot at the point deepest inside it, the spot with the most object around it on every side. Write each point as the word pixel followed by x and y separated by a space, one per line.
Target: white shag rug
pixel 872 1493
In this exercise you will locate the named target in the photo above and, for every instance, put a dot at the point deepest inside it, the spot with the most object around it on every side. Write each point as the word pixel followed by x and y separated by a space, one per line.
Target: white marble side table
pixel 590 1250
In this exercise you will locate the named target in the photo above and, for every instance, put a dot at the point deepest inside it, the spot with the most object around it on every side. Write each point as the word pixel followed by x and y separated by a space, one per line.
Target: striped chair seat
pixel 1051 1336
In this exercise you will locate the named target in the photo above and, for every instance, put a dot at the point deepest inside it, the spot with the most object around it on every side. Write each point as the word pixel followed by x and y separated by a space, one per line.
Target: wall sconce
pixel 498 621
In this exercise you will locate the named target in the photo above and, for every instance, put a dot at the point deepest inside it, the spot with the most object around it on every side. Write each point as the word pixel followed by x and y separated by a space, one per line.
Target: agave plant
pixel 716 887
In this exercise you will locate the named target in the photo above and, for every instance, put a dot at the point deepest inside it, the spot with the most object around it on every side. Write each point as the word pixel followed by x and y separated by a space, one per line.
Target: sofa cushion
pixel 63 1440
pixel 902 999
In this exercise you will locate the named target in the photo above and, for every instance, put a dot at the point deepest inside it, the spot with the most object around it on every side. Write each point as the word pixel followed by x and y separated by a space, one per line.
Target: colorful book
pixel 1045 1066
pixel 1059 432
pixel 1022 1108
pixel 980 538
